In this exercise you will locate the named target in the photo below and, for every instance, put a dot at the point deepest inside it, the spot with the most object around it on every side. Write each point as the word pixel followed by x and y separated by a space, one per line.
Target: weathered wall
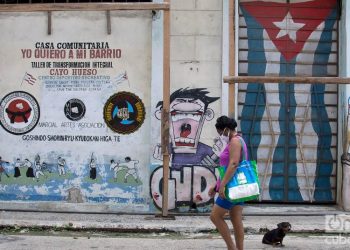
pixel 197 99
pixel 195 54
pixel 87 176
pixel 344 109
pixel 76 132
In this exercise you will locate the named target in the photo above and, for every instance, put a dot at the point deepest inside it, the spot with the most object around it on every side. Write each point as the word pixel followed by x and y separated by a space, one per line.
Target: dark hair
pixel 225 122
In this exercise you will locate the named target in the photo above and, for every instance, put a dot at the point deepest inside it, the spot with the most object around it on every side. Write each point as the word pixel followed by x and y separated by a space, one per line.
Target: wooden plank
pixel 301 149
pixel 165 111
pixel 286 79
pixel 82 7
pixel 109 26
pixel 49 22
pixel 232 59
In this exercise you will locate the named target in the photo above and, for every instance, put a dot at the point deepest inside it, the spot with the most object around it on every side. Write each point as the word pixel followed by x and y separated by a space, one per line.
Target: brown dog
pixel 275 236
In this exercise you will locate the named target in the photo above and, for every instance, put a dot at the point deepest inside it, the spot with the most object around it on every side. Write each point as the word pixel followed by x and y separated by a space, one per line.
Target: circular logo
pixel 74 109
pixel 19 112
pixel 124 112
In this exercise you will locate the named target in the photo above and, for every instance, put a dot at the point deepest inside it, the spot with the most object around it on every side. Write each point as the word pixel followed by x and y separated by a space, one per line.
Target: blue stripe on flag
pixel 254 105
pixel 284 158
pixel 319 116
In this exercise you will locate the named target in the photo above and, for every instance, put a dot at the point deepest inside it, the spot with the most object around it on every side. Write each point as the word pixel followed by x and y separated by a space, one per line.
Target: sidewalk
pixel 257 218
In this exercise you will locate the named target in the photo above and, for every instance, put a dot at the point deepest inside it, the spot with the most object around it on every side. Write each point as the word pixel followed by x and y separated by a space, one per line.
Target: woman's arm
pixel 235 149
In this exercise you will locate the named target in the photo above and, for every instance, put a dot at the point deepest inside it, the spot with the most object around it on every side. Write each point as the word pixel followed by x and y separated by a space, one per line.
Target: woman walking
pixel 230 158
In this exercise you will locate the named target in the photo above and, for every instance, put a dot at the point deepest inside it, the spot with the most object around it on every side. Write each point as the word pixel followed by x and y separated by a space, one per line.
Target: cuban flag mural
pixel 290 128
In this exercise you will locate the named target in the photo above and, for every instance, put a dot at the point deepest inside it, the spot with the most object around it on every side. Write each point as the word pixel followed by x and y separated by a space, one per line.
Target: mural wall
pixel 192 162
pixel 74 106
pixel 291 128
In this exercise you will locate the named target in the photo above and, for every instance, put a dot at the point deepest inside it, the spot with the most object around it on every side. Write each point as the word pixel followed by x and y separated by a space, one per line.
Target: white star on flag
pixel 288 27
pixel 29 78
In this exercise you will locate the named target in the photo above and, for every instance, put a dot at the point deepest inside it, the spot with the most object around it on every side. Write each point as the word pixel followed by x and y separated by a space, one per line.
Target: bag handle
pixel 244 148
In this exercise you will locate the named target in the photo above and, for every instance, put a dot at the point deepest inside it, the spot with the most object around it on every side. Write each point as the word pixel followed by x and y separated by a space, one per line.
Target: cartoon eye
pixel 181 100
pixel 195 101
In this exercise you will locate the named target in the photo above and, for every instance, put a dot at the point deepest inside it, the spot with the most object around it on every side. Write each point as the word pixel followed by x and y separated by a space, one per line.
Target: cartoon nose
pixel 185 130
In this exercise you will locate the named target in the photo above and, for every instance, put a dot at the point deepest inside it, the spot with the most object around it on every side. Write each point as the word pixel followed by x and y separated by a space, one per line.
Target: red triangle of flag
pixel 298 19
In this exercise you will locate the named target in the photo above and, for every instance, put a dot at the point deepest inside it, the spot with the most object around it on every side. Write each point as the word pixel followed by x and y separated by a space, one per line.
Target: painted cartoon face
pixel 186 123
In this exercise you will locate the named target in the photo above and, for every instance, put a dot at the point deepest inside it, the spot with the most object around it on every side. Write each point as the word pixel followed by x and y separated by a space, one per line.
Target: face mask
pixel 224 138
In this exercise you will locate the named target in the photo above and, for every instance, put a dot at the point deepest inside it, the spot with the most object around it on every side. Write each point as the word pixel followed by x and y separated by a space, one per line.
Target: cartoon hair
pixel 195 93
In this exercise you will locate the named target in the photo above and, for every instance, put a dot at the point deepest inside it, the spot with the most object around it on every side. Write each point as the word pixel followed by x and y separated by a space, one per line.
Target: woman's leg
pixel 236 219
pixel 217 217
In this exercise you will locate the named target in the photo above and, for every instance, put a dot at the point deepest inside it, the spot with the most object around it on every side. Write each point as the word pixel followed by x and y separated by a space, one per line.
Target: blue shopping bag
pixel 244 184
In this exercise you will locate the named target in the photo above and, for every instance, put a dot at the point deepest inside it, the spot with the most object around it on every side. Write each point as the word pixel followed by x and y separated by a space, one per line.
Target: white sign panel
pixel 74 107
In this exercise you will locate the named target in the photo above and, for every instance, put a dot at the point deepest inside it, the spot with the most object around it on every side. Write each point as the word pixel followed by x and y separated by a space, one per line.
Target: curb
pixel 71 228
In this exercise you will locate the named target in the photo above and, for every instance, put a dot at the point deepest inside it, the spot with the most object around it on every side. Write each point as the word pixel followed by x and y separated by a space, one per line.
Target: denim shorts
pixel 226 204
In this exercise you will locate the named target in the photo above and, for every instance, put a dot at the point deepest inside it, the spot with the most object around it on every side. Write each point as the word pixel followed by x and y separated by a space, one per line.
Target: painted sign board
pixel 74 107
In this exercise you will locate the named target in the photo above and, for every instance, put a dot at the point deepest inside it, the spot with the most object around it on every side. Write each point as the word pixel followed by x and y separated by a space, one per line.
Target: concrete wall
pixel 73 142
pixel 196 50
pixel 196 31
pixel 195 54
pixel 198 60
pixel 344 95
